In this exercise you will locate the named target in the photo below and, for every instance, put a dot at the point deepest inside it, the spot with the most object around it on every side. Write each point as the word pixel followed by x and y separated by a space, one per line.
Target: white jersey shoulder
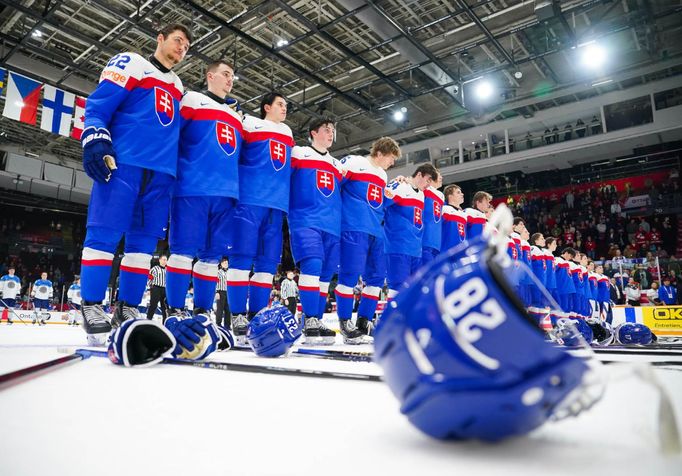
pixel 256 125
pixel 304 152
pixel 474 213
pixel 403 190
pixel 450 210
pixel 358 164
pixel 436 192
pixel 126 69
pixel 534 250
pixel 197 100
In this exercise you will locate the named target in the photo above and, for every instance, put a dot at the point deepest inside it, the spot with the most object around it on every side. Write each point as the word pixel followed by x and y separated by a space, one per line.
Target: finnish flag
pixel 57 111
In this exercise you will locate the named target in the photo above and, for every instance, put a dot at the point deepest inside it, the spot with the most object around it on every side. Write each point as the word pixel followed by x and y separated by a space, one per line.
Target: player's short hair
pixel 450 189
pixel 385 146
pixel 479 197
pixel 535 237
pixel 213 67
pixel 568 250
pixel 549 241
pixel 427 169
pixel 168 29
pixel 518 221
pixel 268 99
pixel 315 124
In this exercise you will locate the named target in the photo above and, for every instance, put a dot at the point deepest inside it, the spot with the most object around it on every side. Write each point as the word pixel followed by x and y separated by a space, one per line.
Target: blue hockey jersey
pixel 362 192
pixel 210 142
pixel 265 164
pixel 476 221
pixel 315 191
pixel 404 222
pixel 454 227
pixel 140 106
pixel 433 218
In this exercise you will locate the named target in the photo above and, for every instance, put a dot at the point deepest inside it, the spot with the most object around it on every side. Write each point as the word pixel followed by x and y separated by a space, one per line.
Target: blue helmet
pixel 568 331
pixel 634 333
pixel 273 331
pixel 465 360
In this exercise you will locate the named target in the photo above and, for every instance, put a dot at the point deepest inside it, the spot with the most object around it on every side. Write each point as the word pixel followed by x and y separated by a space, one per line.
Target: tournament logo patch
pixel 163 103
pixel 418 222
pixel 278 154
pixel 375 196
pixel 437 212
pixel 42 289
pixel 325 182
pixel 227 138
pixel 10 284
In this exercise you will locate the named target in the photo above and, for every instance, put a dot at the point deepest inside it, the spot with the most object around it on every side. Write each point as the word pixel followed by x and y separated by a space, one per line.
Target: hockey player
pixel 603 292
pixel 264 184
pixel 130 150
pixel 404 226
pixel 476 218
pixel 206 191
pixel 454 218
pixel 315 225
pixel 551 271
pixel 593 282
pixel 73 296
pixel 42 293
pixel 539 267
pixel 433 222
pixel 564 281
pixel 10 288
pixel 362 236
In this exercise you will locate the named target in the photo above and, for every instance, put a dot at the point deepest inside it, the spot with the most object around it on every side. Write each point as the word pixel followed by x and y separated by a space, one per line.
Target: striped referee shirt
pixel 289 289
pixel 222 280
pixel 157 276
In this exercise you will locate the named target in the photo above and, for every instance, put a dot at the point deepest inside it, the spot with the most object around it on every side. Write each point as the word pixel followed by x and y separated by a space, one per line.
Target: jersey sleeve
pixel 121 74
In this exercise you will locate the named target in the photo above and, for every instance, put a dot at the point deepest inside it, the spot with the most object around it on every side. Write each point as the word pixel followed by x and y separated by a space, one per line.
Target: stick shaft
pixel 12 378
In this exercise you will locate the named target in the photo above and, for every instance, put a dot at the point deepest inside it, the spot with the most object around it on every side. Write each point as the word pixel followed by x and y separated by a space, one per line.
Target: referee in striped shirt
pixel 157 289
pixel 289 292
pixel 223 317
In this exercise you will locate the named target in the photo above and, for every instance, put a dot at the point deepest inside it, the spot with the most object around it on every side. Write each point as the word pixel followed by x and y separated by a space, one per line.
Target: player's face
pixel 541 241
pixel 324 135
pixel 11 271
pixel 483 205
pixel 277 111
pixel 422 182
pixel 385 161
pixel 457 198
pixel 222 79
pixel 438 182
pixel 173 48
pixel 43 276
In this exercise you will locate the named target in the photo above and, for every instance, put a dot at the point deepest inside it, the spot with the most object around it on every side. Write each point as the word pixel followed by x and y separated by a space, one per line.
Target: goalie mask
pixel 273 331
pixel 465 360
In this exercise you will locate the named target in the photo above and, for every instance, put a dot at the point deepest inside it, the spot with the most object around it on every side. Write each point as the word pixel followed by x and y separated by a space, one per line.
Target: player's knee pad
pixel 102 239
pixel 140 243
pixel 311 266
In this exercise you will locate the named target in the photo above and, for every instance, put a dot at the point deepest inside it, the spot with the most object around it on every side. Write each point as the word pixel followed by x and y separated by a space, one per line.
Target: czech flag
pixel 21 101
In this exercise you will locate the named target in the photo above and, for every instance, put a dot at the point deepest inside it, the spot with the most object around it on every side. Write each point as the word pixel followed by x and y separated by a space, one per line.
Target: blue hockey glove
pixel 227 340
pixel 140 342
pixel 197 337
pixel 234 105
pixel 98 154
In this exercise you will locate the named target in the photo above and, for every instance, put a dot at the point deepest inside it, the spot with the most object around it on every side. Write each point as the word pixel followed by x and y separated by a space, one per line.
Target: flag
pixel 21 101
pixel 57 111
pixel 78 118
pixel 2 79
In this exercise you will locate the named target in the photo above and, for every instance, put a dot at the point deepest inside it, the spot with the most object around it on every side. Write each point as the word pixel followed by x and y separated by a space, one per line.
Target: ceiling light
pixel 592 56
pixel 398 116
pixel 484 89
pixel 37 34
pixel 282 42
pixel 518 74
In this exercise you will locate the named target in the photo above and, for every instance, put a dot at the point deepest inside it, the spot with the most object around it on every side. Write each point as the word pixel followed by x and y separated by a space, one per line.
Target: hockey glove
pixel 234 105
pixel 98 154
pixel 196 337
pixel 227 340
pixel 140 343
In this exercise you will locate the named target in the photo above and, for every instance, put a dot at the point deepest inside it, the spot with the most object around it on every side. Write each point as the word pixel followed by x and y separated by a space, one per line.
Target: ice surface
pixel 94 418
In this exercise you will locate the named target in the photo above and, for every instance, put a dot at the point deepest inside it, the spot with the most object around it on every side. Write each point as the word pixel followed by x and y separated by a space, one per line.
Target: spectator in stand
pixel 548 136
pixel 569 236
pixel 644 225
pixel 632 293
pixel 591 247
pixel 529 140
pixel 568 131
pixel 570 200
pixel 580 128
pixel 652 295
pixel 595 127
pixel 632 229
pixel 615 292
pixel 642 276
pixel 555 134
pixel 654 237
pixel 667 294
pixel 630 251
pixel 674 266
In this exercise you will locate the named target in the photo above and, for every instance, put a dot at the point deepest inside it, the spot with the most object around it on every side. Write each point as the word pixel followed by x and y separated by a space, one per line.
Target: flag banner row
pixel 62 112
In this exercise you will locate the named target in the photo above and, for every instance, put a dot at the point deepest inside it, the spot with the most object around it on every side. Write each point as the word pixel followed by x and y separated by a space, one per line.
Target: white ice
pixel 95 418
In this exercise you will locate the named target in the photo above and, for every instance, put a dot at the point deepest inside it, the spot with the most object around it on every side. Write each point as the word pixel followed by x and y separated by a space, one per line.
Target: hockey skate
pixel 240 324
pixel 366 326
pixel 351 334
pixel 96 323
pixel 123 312
pixel 317 333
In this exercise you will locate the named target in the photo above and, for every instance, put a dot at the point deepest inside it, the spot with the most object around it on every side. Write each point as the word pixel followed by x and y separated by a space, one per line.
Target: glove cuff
pixel 91 134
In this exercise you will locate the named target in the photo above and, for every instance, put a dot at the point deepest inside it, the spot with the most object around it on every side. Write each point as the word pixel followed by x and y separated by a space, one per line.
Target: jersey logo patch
pixel 278 154
pixel 163 103
pixel 437 212
pixel 325 182
pixel 375 196
pixel 460 229
pixel 227 138
pixel 10 284
pixel 418 222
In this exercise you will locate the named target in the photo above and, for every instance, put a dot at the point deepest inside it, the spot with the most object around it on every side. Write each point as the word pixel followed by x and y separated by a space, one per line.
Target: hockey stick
pixel 324 354
pixel 13 312
pixel 263 369
pixel 18 376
